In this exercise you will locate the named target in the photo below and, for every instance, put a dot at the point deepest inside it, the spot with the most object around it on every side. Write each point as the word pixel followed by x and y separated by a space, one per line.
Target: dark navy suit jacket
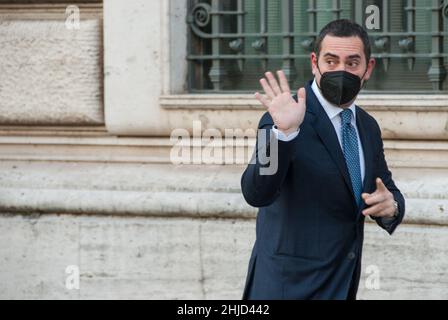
pixel 309 230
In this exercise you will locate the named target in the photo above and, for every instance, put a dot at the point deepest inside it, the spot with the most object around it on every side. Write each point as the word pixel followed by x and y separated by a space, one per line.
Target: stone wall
pixel 86 178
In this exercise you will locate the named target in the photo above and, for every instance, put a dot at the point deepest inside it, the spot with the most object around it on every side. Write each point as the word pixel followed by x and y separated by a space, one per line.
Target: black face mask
pixel 340 87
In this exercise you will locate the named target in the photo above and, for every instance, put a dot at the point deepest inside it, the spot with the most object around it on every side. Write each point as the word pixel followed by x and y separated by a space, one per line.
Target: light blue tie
pixel 351 153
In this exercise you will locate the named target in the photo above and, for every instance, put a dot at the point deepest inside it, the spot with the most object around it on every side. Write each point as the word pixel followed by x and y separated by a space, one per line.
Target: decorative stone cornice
pixel 163 190
pixel 370 102
pixel 97 146
pixel 404 117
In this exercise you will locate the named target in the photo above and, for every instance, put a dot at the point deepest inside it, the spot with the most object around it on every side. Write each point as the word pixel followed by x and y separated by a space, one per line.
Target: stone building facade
pixel 88 190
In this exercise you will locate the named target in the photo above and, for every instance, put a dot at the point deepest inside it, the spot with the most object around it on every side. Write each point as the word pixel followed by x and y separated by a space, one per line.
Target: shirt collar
pixel 331 110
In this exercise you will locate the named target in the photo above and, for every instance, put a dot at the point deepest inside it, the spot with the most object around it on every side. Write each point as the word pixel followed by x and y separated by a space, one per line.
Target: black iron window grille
pixel 233 42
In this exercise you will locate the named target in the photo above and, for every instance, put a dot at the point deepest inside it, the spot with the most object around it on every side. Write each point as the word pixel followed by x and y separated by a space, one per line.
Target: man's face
pixel 342 54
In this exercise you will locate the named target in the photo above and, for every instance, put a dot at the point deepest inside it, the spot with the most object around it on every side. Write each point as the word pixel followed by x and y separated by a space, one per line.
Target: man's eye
pixel 353 64
pixel 330 62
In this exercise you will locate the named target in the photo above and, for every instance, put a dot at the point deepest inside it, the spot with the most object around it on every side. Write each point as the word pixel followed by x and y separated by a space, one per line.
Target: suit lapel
pixel 365 138
pixel 325 129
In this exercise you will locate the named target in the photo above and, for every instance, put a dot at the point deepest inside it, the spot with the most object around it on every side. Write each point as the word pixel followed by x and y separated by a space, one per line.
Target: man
pixel 331 174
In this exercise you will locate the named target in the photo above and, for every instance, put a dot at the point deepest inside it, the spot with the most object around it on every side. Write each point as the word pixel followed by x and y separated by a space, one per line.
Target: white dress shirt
pixel 332 112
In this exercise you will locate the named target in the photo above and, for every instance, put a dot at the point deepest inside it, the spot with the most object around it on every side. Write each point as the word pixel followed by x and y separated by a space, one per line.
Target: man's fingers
pixel 375 210
pixel 364 196
pixel 267 88
pixel 374 199
pixel 301 95
pixel 263 99
pixel 283 81
pixel 380 185
pixel 273 83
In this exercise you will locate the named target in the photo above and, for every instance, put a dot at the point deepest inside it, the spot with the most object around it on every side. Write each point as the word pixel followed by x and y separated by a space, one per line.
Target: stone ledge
pixel 127 203
pixel 371 102
pixel 171 205
pixel 404 117
pixel 98 146
pixel 173 191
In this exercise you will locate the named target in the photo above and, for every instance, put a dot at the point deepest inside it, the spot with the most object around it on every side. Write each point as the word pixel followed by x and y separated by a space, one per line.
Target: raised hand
pixel 287 114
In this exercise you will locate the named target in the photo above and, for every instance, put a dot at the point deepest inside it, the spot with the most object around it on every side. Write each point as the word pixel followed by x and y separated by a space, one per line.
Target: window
pixel 232 42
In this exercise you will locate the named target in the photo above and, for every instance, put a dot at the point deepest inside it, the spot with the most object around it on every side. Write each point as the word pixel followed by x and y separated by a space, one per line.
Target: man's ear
pixel 370 67
pixel 313 59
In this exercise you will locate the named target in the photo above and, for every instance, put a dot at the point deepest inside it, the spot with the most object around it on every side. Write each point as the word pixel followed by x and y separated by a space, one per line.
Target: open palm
pixel 287 114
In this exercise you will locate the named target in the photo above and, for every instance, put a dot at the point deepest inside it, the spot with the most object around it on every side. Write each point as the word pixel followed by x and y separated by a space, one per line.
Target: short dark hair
pixel 344 28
